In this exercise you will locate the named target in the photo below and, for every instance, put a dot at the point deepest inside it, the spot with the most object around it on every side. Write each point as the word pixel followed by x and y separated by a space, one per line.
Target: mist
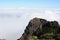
pixel 12 24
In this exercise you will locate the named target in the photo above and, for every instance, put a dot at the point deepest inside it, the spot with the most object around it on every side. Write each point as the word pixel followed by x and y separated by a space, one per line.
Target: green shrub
pixel 33 38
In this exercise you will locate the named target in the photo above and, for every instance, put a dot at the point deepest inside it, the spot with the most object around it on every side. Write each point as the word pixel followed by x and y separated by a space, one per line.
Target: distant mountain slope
pixel 41 29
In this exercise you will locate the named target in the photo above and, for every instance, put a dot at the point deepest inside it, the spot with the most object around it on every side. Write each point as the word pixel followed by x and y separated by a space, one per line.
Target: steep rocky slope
pixel 41 29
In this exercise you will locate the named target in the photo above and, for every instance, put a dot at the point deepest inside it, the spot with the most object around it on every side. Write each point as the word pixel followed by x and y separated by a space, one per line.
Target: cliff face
pixel 41 29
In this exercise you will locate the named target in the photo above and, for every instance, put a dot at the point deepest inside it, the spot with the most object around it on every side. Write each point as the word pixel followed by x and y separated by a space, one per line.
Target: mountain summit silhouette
pixel 39 28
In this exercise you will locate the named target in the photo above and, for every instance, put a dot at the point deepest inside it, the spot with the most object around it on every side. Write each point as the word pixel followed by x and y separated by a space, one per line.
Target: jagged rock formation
pixel 41 29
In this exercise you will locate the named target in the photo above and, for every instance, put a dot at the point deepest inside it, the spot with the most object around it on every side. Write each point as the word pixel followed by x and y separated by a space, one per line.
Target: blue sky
pixel 30 3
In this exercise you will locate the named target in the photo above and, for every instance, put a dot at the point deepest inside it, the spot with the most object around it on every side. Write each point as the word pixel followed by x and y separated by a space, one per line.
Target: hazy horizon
pixel 12 25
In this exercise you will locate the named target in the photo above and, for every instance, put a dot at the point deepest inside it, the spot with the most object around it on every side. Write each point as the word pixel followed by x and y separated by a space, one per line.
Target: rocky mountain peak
pixel 40 28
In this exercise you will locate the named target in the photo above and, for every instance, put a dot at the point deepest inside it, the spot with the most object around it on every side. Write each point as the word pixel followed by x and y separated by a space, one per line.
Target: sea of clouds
pixel 12 27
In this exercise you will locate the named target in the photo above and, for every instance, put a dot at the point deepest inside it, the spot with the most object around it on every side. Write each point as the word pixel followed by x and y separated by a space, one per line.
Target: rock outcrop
pixel 41 29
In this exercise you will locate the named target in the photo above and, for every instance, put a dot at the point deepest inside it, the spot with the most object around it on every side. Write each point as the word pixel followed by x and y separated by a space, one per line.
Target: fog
pixel 13 25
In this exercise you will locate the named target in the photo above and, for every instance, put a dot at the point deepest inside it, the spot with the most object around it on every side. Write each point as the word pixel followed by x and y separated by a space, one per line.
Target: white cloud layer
pixel 12 28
